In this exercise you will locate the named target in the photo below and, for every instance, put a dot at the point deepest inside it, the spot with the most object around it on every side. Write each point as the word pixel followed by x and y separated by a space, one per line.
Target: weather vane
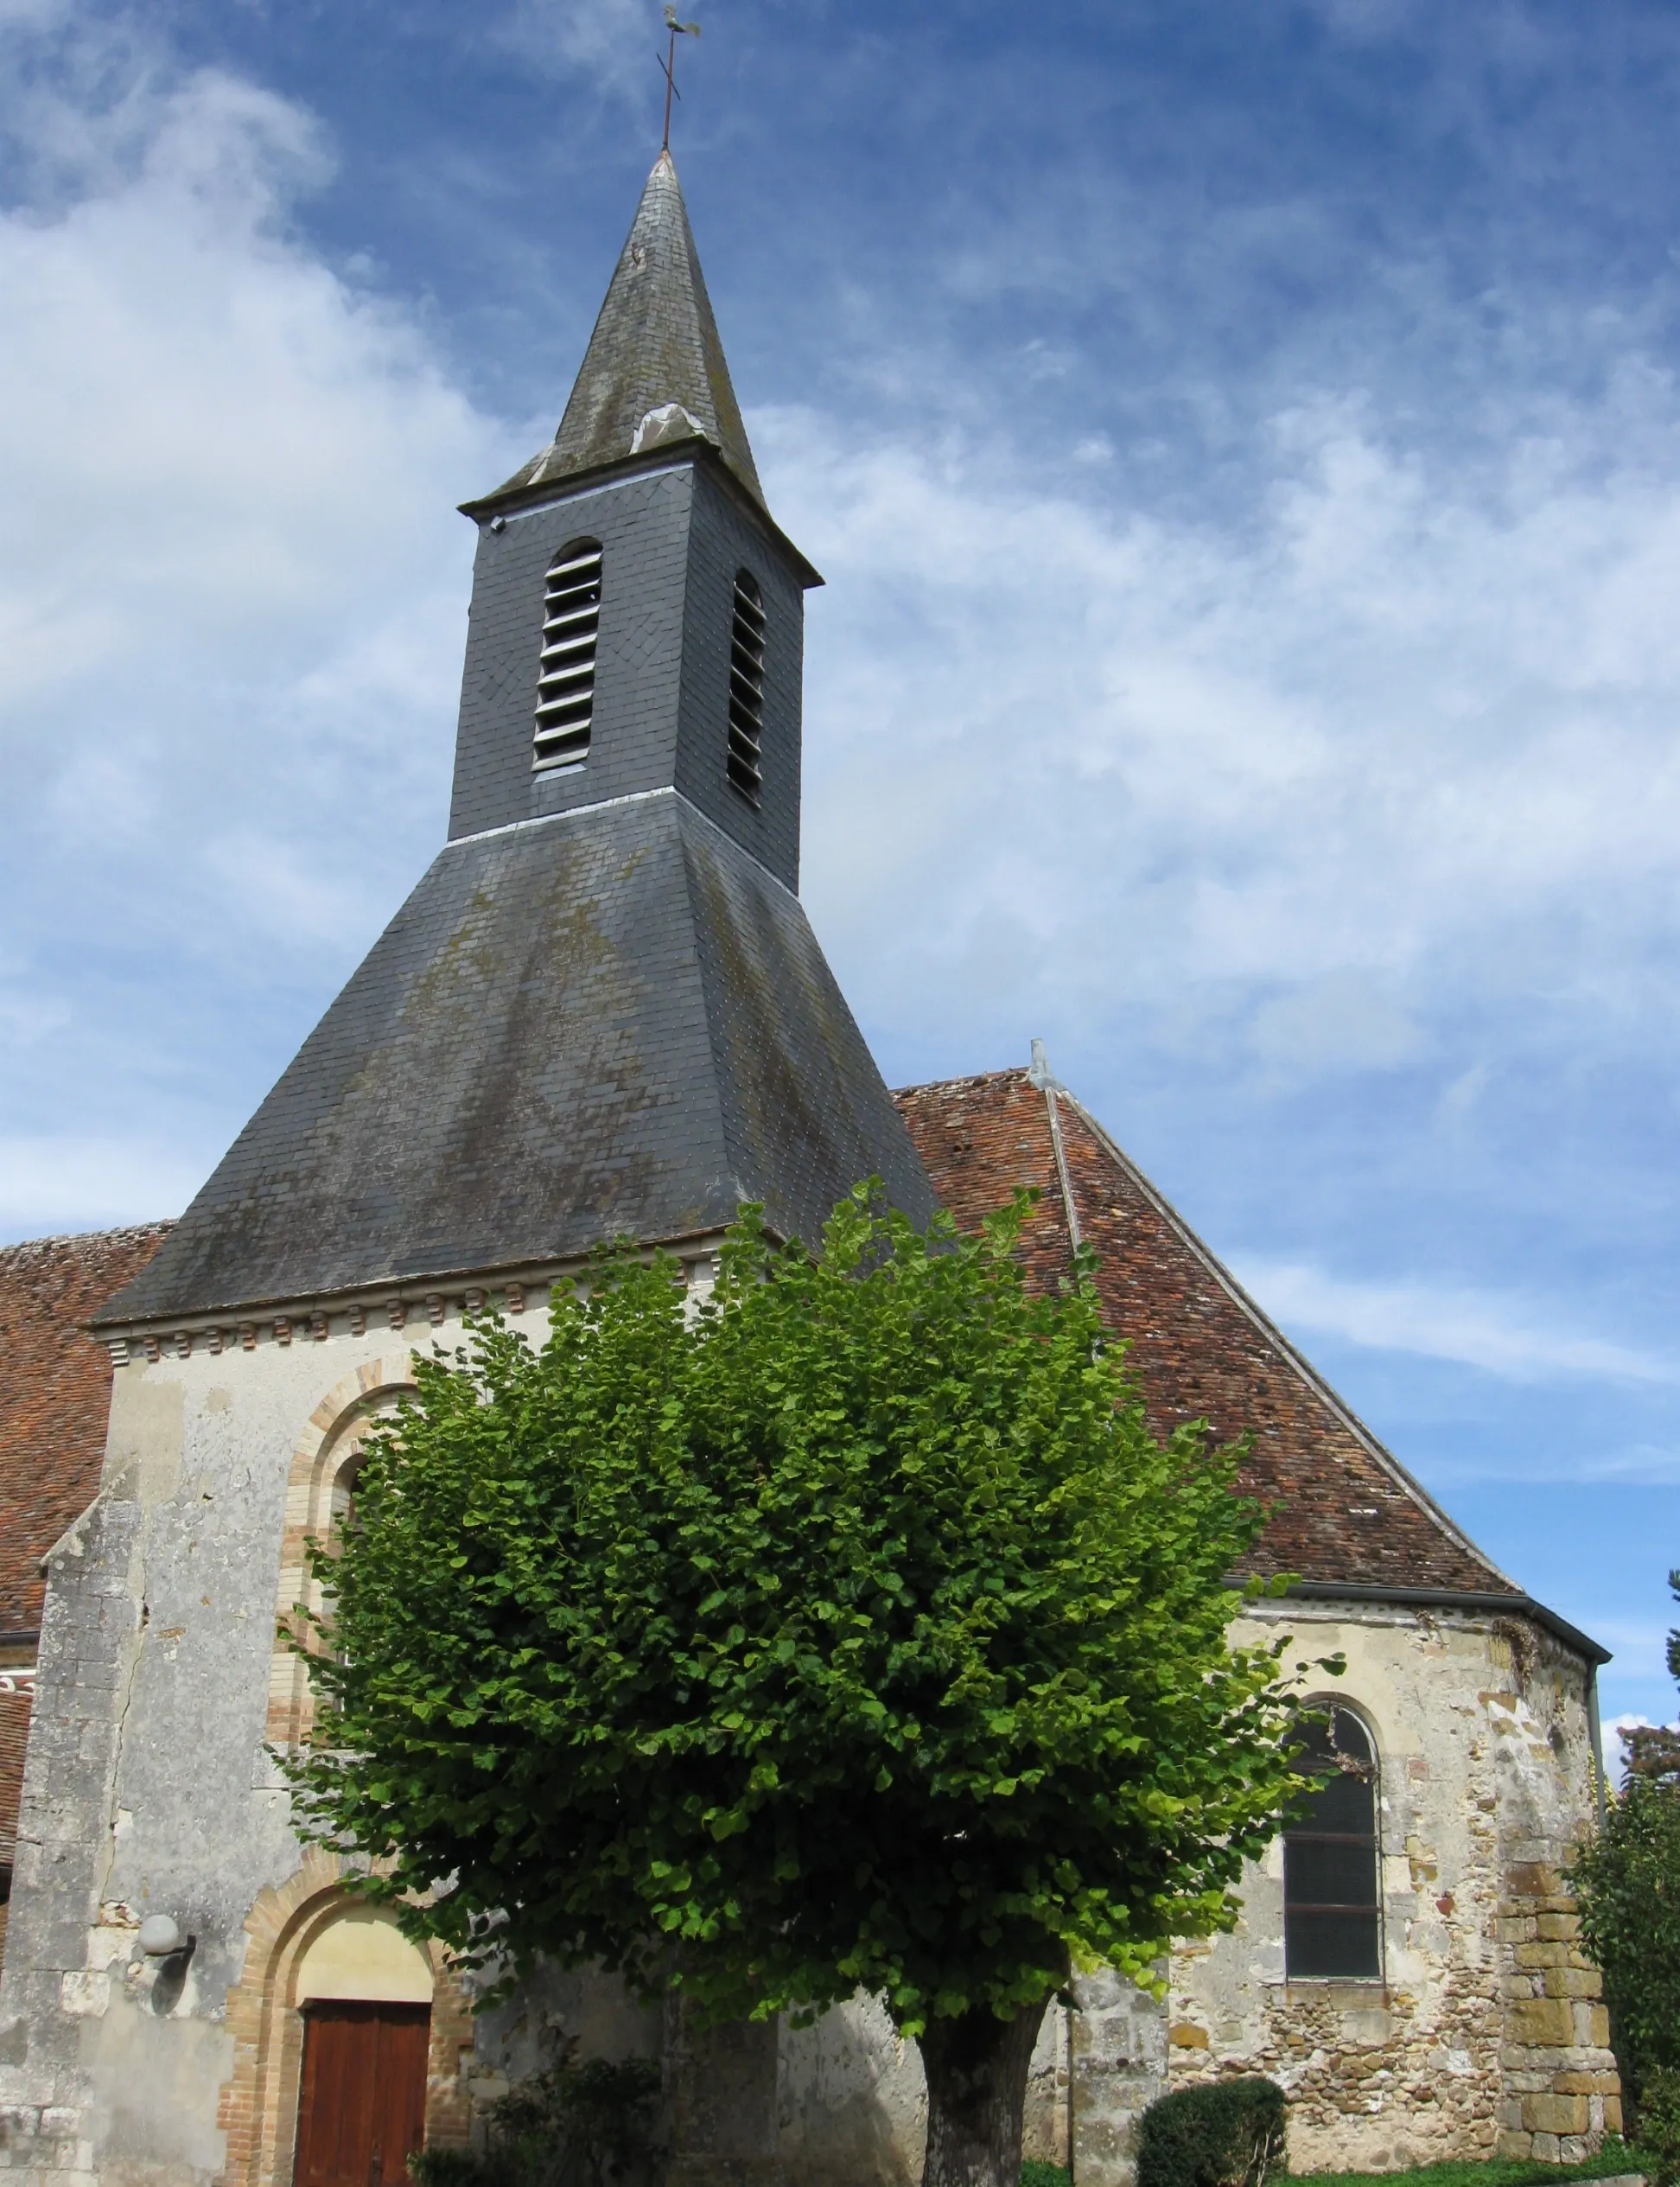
pixel 669 63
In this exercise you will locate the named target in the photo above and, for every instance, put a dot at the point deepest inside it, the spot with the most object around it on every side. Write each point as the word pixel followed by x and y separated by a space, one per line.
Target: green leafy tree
pixel 1627 1882
pixel 1653 1750
pixel 851 1631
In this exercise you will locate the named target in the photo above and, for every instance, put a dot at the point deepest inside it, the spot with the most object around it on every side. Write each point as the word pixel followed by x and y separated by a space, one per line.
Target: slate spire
pixel 602 1011
pixel 654 371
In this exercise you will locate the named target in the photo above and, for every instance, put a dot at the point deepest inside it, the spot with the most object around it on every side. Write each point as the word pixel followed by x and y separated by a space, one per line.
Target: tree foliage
pixel 1653 1750
pixel 851 1631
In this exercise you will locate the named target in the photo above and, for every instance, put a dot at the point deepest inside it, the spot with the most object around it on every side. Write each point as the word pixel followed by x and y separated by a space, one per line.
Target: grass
pixel 1614 2157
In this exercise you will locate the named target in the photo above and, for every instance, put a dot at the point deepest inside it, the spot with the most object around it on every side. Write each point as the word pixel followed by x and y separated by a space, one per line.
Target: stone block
pixel 1612 2115
pixel 1552 1955
pixel 1516 2148
pixel 1546 2022
pixel 1546 2149
pixel 1561 1929
pixel 1592 2025
pixel 1554 2115
pixel 1572 1981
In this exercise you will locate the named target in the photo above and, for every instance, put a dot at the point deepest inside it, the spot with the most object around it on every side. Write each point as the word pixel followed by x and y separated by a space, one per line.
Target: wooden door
pixel 363 2108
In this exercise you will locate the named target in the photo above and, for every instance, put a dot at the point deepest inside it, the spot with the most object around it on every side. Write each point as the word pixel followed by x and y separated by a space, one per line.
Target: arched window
pixel 745 685
pixel 565 680
pixel 1332 1895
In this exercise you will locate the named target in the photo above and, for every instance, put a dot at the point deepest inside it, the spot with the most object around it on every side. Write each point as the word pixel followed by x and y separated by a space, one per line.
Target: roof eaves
pixel 1520 1605
pixel 507 500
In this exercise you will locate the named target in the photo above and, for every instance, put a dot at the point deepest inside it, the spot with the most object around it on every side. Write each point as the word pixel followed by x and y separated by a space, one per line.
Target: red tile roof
pixel 55 1396
pixel 1345 1512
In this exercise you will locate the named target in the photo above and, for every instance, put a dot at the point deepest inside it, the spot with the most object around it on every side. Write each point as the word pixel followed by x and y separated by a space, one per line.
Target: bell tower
pixel 602 1011
pixel 636 618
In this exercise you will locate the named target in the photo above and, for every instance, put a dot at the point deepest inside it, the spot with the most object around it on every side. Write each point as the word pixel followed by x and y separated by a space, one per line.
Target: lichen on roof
pixel 654 371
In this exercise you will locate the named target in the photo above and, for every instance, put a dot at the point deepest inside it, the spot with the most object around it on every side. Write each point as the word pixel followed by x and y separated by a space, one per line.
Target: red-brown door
pixel 363 2101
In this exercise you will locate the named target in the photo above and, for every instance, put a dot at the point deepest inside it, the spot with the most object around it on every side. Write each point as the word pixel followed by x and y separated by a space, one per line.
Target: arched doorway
pixel 366 1995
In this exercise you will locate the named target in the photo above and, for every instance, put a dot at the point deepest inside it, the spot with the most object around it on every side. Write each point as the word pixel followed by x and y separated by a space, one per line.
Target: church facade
pixel 602 1013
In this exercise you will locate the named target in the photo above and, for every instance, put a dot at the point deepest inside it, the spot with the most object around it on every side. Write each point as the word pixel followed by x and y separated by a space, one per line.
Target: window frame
pixel 1335 1706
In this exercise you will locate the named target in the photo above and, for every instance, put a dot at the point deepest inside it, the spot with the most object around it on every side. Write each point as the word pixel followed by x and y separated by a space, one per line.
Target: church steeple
pixel 602 1013
pixel 654 373
pixel 617 571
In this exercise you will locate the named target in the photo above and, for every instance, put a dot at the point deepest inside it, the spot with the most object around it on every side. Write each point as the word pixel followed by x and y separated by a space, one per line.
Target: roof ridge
pixel 119 1233
pixel 973 1078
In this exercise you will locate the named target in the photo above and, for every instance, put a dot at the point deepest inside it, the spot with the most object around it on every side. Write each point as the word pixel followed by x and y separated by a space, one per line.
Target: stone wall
pixel 149 1786
pixel 1484 2037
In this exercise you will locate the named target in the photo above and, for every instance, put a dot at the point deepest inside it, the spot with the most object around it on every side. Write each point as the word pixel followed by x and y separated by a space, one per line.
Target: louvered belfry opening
pixel 746 686
pixel 1333 1916
pixel 565 681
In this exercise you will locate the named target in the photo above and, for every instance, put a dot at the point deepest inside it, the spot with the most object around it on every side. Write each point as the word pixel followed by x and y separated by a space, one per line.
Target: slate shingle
pixel 655 344
pixel 615 1020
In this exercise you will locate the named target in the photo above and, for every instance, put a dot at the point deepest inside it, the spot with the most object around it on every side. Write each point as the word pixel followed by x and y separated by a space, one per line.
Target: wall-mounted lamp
pixel 160 1937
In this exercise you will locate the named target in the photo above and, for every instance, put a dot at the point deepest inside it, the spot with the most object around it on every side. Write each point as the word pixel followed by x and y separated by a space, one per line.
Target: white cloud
pixel 53 1183
pixel 232 580
pixel 611 43
pixel 233 586
pixel 1478 1328
pixel 1408 739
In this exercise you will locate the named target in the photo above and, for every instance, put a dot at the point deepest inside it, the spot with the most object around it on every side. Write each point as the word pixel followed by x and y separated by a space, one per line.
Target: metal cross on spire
pixel 669 63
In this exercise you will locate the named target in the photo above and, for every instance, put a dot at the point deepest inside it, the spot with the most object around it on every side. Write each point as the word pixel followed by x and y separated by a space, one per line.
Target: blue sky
pixel 1243 445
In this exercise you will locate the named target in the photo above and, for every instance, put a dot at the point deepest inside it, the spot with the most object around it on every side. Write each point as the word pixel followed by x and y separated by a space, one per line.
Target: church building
pixel 602 1011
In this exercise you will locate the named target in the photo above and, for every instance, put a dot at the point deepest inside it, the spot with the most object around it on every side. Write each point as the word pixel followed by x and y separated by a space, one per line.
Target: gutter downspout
pixel 1596 1736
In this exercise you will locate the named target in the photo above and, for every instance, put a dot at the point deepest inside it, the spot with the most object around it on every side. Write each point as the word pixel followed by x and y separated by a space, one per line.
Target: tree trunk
pixel 976 2091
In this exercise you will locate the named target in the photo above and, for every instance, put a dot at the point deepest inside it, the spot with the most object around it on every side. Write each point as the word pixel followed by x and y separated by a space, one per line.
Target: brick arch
pixel 258 2108
pixel 325 1449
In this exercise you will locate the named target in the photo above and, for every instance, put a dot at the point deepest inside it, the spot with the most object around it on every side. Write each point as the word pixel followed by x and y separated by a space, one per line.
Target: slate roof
pixel 55 1396
pixel 655 344
pixel 1346 1512
pixel 612 1021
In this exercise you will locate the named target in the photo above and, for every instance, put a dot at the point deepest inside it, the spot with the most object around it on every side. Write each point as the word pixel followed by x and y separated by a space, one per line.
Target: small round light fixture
pixel 159 1936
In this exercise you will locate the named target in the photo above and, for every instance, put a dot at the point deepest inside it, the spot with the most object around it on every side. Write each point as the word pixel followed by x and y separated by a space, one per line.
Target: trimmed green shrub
pixel 1225 2133
pixel 1036 2173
